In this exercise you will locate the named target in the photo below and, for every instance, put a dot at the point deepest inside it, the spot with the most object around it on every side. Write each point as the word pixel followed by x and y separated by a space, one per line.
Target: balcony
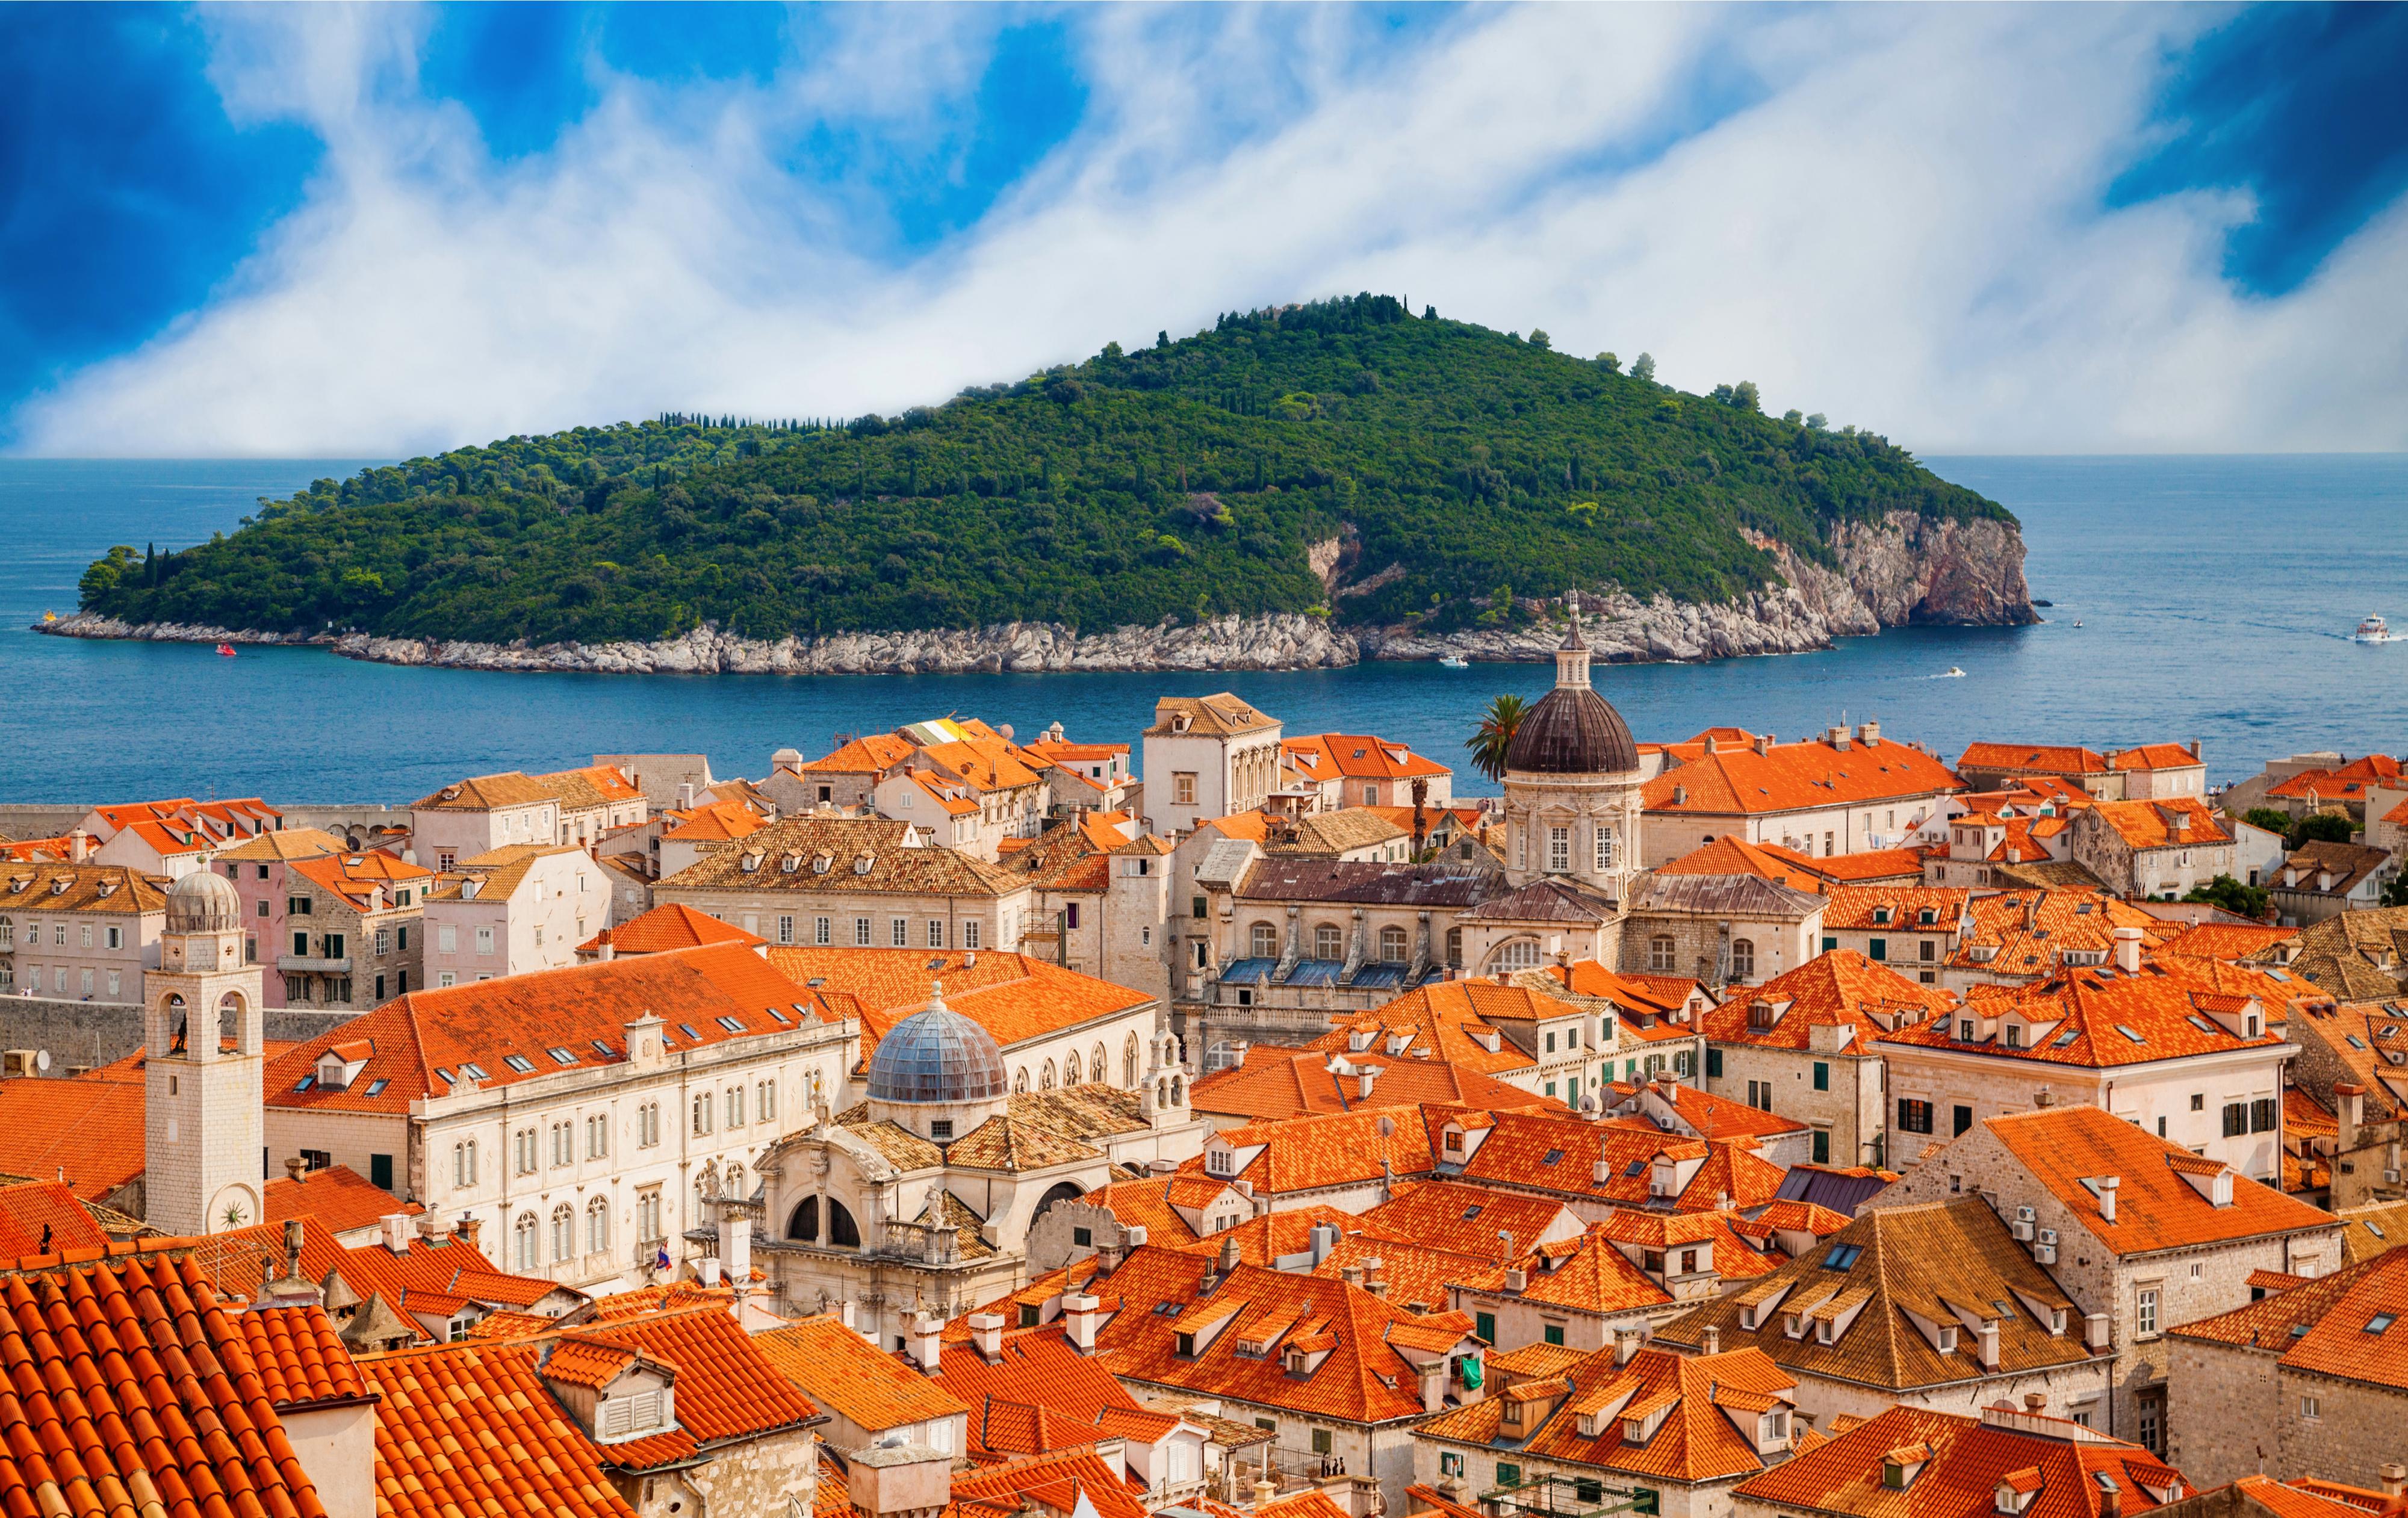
pixel 297 965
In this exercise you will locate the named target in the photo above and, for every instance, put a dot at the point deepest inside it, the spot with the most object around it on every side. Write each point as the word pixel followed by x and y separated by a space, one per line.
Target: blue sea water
pixel 2216 597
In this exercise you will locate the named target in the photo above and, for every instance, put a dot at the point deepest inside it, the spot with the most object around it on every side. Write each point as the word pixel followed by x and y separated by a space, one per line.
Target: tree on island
pixel 1643 367
pixel 1494 737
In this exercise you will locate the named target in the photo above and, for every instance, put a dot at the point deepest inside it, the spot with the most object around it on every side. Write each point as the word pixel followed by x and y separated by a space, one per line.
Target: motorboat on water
pixel 2373 630
pixel 1454 661
pixel 1954 673
pixel 226 651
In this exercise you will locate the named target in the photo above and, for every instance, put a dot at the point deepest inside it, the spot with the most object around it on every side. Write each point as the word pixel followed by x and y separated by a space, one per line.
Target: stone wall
pixel 81 1035
pixel 2233 1410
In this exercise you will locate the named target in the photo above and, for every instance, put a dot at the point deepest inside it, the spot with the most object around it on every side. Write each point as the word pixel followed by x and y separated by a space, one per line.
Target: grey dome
pixel 1572 731
pixel 938 1055
pixel 203 902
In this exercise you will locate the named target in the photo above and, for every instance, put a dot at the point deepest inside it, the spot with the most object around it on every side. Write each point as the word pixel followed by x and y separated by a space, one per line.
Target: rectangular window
pixel 117 937
pixel 765 1098
pixel 1821 1076
pixel 484 940
pixel 1877 948
pixel 335 944
pixel 1508 1475
pixel 1183 789
pixel 1930 951
pixel 898 932
pixel 971 936
pixel 1913 1116
pixel 447 940
pixel 1553 1332
pixel 702 1112
pixel 648 1124
pixel 1964 1119
pixel 1195 906
pixel 445 978
pixel 1713 1064
pixel 1559 850
pixel 2145 1313
pixel 1604 848
pixel 935 932
pixel 301 947
pixel 861 932
pixel 2236 1119
pixel 1484 1324
pixel 1822 1146
pixel 785 930
pixel 1321 1441
pixel 823 931
pixel 648 1215
pixel 525 1147
pixel 384 940
pixel 1070 914
pixel 2262 1115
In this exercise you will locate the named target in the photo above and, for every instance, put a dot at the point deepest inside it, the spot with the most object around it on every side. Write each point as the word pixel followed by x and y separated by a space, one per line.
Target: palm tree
pixel 1494 734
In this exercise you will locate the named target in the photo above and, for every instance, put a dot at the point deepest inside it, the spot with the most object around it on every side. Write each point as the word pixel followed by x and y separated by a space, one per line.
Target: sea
pixel 2208 598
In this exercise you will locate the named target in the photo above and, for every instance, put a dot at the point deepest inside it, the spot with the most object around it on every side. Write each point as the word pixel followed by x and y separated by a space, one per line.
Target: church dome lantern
pixel 1572 730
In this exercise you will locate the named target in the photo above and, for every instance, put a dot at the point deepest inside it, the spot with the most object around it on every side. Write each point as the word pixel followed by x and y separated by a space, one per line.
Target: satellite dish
pixel 41 1059
pixel 1388 1127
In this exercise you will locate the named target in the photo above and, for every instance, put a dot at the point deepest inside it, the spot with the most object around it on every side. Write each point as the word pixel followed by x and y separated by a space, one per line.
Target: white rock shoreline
pixel 1894 573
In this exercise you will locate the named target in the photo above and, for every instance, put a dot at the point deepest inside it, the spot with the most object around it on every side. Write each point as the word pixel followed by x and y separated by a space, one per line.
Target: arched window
pixel 1045 1077
pixel 1070 1068
pixel 804 1223
pixel 1061 1191
pixel 523 1235
pixel 1329 942
pixel 1391 945
pixel 597 1227
pixel 734 1185
pixel 1454 947
pixel 1742 959
pixel 1262 941
pixel 1128 1063
pixel 843 1233
pixel 1660 953
pixel 564 1234
pixel 1100 1070
pixel 1020 1081
pixel 1517 954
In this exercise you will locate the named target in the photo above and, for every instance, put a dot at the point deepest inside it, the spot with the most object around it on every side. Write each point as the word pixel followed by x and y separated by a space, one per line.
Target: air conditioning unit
pixel 2044 1254
pixel 2049 1237
pixel 2022 1228
pixel 2025 1214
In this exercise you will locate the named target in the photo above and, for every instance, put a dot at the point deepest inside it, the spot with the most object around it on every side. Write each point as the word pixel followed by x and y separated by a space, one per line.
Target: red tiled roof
pixel 1895 908
pixel 485 1023
pixel 1275 1082
pixel 2039 758
pixel 132 1389
pixel 727 1388
pixel 843 1373
pixel 1016 997
pixel 2096 1019
pixel 2341 782
pixel 1839 988
pixel 674 926
pixel 2169 823
pixel 1448 1019
pixel 1038 1372
pixel 337 1197
pixel 1515 1153
pixel 2156 1208
pixel 2228 940
pixel 470 1430
pixel 90 1129
pixel 1328 755
pixel 44 1217
pixel 2155 757
pixel 1698 1403
pixel 1728 855
pixel 1965 1459
pixel 2027 932
pixel 1326 1149
pixel 1052 1481
pixel 1796 776
pixel 484 793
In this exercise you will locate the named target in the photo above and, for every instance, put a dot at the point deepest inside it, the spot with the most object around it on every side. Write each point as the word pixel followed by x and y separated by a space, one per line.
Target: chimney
pixel 1987 1346
pixel 1350 1274
pixel 1868 733
pixel 396 1231
pixel 1763 743
pixel 1321 1240
pixel 1433 1378
pixel 1625 1345
pixel 292 1247
pixel 926 1347
pixel 1079 1320
pixel 1363 1081
pixel 2107 1188
pixel 78 846
pixel 1373 1281
pixel 1713 1341
pixel 2128 950
pixel 2194 748
pixel 685 795
pixel 2111 1498
pixel 2394 1479
pixel 297 1166
pixel 735 1250
pixel 2351 1102
pixel 469 1228
pixel 707 1269
pixel 2034 1402
pixel 1228 1261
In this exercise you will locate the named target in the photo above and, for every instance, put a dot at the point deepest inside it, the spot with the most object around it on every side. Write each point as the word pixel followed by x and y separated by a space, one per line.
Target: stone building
pixel 202 1025
pixel 351 926
pixel 1207 756
pixel 479 815
pixel 1572 787
pixel 519 908
pixel 1841 792
pixel 2313 1378
pixel 2156 849
pixel 2139 1233
pixel 78 931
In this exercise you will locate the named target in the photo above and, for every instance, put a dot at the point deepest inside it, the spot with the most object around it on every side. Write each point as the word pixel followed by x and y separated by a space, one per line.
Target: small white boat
pixel 2077 622
pixel 1454 661
pixel 1954 673
pixel 2373 630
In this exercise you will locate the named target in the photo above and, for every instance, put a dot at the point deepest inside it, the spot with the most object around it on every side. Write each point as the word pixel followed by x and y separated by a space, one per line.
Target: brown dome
pixel 1572 731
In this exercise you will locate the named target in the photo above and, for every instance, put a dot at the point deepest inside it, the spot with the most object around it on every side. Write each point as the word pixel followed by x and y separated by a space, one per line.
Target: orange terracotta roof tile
pixel 338 1197
pixel 89 1130
pixel 833 1367
pixel 1016 997
pixel 44 1217
pixel 2038 758
pixel 2155 757
pixel 2169 823
pixel 1451 1021
pixel 1729 855
pixel 2234 941
pixel 2029 933
pixel 2063 1147
pixel 283 844
pixel 427 1042
pixel 80 888
pixel 1275 1082
pixel 1794 776
pixel 2340 782
pixel 674 926
pixel 1959 1462
pixel 1561 1156
pixel 471 1429
pixel 1322 1149
pixel 1902 908
pixel 487 793
pixel 1837 988
pixel 1037 1371
pixel 1689 1410
pixel 1356 756
pixel 727 1386
pixel 2097 1019
pixel 1052 1481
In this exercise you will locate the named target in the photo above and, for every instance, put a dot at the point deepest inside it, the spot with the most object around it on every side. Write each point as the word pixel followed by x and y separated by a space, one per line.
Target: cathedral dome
pixel 1572 731
pixel 203 902
pixel 938 1055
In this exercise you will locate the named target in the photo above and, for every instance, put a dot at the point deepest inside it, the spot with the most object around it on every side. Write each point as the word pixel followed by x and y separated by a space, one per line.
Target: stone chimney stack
pixel 1078 1312
pixel 2107 1189
pixel 2351 1102
pixel 2128 950
pixel 928 1351
pixel 986 1332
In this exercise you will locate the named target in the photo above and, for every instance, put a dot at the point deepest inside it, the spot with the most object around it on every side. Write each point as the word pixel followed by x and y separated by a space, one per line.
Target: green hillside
pixel 1184 480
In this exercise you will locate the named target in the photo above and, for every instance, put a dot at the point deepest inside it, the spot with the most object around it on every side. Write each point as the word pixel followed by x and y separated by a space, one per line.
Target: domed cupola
pixel 201 902
pixel 934 1067
pixel 1572 730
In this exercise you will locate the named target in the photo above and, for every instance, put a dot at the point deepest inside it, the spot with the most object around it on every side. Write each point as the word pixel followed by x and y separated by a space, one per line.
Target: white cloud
pixel 1903 231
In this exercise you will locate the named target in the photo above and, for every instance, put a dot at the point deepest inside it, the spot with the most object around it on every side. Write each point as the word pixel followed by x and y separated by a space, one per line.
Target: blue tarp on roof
pixel 1316 972
pixel 1247 971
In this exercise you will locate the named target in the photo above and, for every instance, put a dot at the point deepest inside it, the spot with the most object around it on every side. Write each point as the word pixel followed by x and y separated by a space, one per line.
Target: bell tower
pixel 204 1155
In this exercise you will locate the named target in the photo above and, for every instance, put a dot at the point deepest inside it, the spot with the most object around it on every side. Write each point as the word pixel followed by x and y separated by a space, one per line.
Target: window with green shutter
pixel 1821 1076
pixel 1713 1064
pixel 1508 1475
pixel 1484 1324
pixel 1554 1333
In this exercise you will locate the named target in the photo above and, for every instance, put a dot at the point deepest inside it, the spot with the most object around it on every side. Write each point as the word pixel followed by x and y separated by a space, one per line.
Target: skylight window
pixel 474 1071
pixel 2200 1023
pixel 2354 1042
pixel 687 1028
pixel 375 1088
pixel 732 1024
pixel 1553 1155
pixel 1634 1168
pixel 602 1048
pixel 562 1056
pixel 778 1017
pixel 449 1078
pixel 305 1082
pixel 518 1063
pixel 1842 1257
pixel 2127 1032
pixel 2065 1039
pixel 2381 1322
pixel 1473 1210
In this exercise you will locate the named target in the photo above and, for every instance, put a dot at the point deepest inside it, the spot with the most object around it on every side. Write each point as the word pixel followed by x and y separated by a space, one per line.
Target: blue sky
pixel 374 230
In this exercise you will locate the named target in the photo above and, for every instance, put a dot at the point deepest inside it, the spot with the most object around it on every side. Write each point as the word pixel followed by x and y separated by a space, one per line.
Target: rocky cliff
pixel 1900 571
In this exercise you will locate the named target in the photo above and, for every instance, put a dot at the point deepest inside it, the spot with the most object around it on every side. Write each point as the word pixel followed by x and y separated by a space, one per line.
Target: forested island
pixel 1346 461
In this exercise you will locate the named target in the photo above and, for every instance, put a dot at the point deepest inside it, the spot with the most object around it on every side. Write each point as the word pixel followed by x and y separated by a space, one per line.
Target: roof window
pixel 562 1056
pixel 687 1028
pixel 732 1024
pixel 2126 1031
pixel 305 1082
pixel 2381 1322
pixel 474 1071
pixel 376 1087
pixel 1842 1257
pixel 518 1063
pixel 1553 1155
pixel 602 1048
